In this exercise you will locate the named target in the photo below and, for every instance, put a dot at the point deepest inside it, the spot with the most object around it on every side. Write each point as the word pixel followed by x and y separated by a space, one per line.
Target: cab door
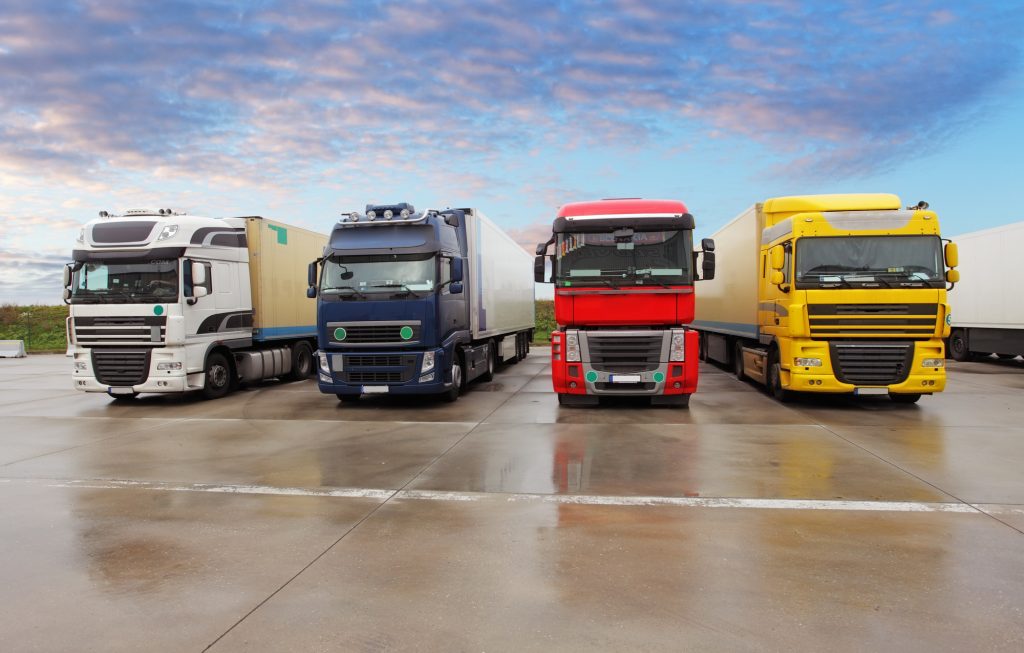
pixel 773 309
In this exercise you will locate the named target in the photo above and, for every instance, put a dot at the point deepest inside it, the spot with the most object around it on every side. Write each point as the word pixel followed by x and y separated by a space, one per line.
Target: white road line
pixel 562 499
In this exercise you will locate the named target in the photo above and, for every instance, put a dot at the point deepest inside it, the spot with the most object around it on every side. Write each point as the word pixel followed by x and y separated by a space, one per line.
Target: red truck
pixel 624 272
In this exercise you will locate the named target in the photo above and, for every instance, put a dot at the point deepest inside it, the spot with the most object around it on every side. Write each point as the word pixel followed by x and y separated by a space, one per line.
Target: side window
pixel 187 279
pixel 446 274
pixel 787 268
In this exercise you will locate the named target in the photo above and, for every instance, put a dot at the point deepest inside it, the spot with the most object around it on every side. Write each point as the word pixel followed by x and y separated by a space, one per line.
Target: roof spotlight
pixel 404 213
pixel 389 214
pixel 371 215
pixel 104 214
pixel 920 206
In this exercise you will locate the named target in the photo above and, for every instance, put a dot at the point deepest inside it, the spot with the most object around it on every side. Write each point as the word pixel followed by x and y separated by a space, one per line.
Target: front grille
pixel 874 364
pixel 374 377
pixel 121 367
pixel 624 353
pixel 113 331
pixel 372 361
pixel 372 334
pixel 872 320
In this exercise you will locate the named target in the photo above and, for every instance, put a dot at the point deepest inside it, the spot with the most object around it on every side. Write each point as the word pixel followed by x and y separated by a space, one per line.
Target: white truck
pixel 988 315
pixel 166 302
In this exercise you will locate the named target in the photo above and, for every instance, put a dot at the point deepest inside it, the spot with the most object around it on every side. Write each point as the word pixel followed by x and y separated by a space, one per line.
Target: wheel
pixel 218 376
pixel 348 399
pixel 904 398
pixel 302 362
pixel 775 379
pixel 457 380
pixel 702 347
pixel 737 360
pixel 958 346
pixel 491 362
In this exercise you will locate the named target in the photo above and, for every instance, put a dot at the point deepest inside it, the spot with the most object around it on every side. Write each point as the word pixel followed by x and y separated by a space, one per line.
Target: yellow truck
pixel 831 293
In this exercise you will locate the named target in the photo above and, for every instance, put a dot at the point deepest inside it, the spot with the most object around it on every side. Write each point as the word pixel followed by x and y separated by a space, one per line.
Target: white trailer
pixel 987 312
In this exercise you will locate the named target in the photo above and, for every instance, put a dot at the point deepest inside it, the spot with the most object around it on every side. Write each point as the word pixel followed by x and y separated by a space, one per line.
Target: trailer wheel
pixel 491 361
pixel 775 379
pixel 457 379
pixel 904 398
pixel 737 360
pixel 302 362
pixel 218 376
pixel 958 346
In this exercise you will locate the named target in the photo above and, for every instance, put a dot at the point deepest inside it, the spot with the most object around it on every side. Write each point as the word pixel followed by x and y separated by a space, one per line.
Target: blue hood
pixel 423 310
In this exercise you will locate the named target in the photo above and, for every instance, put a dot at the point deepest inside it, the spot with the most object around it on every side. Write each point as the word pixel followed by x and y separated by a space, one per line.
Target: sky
pixel 301 111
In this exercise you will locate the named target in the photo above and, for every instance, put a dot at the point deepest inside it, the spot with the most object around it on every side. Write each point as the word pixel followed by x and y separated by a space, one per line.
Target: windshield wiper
pixel 398 285
pixel 338 289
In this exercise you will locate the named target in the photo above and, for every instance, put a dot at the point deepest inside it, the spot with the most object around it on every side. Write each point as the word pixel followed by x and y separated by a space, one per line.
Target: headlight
pixel 323 361
pixel 168 366
pixel 933 362
pixel 807 362
pixel 678 350
pixel 428 362
pixel 168 232
pixel 81 366
pixel 572 347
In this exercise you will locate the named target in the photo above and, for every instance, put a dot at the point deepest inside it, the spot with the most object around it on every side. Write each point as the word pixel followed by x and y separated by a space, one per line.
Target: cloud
pixel 30 277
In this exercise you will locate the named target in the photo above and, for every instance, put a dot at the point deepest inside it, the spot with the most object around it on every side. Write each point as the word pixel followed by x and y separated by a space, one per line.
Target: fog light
pixel 161 384
pixel 168 366
pixel 572 384
pixel 807 362
pixel 677 385
pixel 933 362
pixel 427 377
pixel 80 365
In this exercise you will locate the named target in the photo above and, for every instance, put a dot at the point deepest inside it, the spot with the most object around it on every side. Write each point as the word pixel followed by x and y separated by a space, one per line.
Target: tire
pixel 702 347
pixel 904 398
pixel 958 348
pixel 218 376
pixel 302 362
pixel 492 361
pixel 458 380
pixel 737 360
pixel 775 379
pixel 348 399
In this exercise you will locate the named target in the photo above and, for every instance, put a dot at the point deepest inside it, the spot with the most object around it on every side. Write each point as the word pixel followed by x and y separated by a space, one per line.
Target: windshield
pixel 124 282
pixel 846 260
pixel 388 276
pixel 624 258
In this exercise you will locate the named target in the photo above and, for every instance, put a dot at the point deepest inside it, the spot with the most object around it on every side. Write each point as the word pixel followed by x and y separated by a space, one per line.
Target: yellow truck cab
pixel 831 293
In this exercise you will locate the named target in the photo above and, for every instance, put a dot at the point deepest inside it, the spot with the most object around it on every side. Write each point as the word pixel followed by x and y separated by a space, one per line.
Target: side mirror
pixel 455 288
pixel 311 292
pixel 311 275
pixel 456 274
pixel 952 255
pixel 198 277
pixel 538 269
pixel 541 249
pixel 199 291
pixel 777 278
pixel 451 219
pixel 778 258
pixel 707 244
pixel 953 276
pixel 707 266
pixel 67 295
pixel 67 275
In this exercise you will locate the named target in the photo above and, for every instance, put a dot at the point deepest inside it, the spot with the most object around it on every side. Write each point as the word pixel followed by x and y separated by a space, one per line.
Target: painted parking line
pixel 561 499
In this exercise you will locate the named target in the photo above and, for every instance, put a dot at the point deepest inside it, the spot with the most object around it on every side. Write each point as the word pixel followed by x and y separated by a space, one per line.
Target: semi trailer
pixel 988 315
pixel 831 293
pixel 165 302
pixel 624 272
pixel 418 302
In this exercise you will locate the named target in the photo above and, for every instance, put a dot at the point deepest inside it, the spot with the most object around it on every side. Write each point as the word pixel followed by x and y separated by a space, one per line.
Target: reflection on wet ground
pixel 277 518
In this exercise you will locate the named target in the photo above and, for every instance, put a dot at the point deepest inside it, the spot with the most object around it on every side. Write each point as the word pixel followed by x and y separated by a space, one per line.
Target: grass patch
pixel 545 322
pixel 41 327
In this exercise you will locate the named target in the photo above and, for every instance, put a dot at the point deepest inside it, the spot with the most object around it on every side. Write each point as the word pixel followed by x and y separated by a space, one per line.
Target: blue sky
pixel 300 111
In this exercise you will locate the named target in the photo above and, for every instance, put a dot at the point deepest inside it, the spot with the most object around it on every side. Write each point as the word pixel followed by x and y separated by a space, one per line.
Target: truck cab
pixel 624 272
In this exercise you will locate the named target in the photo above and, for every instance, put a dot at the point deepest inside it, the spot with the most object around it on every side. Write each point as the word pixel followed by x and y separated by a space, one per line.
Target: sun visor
pixel 412 239
pixel 592 223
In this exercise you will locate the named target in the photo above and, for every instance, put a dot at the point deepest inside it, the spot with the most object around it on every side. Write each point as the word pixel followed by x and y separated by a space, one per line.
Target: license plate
pixel 871 391
pixel 374 389
pixel 625 378
pixel 120 391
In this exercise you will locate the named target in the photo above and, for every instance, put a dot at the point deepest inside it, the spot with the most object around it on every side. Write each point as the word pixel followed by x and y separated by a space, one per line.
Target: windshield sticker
pixel 570 243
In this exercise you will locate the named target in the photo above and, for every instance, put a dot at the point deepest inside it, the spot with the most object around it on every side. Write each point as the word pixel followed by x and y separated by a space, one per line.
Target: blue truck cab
pixel 394 302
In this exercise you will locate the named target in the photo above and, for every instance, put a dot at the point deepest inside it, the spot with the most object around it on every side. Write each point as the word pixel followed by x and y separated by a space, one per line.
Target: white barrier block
pixel 12 349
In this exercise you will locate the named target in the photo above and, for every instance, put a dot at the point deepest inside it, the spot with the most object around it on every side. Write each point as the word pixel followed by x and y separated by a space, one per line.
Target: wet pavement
pixel 279 519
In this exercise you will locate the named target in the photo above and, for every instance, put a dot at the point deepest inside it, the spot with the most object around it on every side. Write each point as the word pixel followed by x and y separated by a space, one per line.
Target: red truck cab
pixel 624 273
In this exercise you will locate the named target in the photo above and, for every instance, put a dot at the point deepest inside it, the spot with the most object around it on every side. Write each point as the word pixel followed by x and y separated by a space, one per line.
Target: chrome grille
pixel 374 377
pixel 114 331
pixel 373 334
pixel 872 364
pixel 611 352
pixel 121 367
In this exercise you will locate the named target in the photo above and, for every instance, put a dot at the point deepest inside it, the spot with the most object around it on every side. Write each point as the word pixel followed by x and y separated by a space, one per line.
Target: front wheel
pixel 905 398
pixel 302 362
pixel 218 377
pixel 457 376
pixel 775 379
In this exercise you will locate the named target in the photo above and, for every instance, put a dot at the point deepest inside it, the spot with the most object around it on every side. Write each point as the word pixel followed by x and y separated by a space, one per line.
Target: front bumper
pixel 917 380
pixel 356 373
pixel 154 381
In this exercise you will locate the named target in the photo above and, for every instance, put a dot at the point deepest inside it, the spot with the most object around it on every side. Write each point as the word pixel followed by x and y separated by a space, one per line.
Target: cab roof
pixel 839 202
pixel 632 205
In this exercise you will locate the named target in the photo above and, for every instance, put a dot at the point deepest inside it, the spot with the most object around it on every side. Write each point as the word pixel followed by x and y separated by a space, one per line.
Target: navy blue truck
pixel 418 302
